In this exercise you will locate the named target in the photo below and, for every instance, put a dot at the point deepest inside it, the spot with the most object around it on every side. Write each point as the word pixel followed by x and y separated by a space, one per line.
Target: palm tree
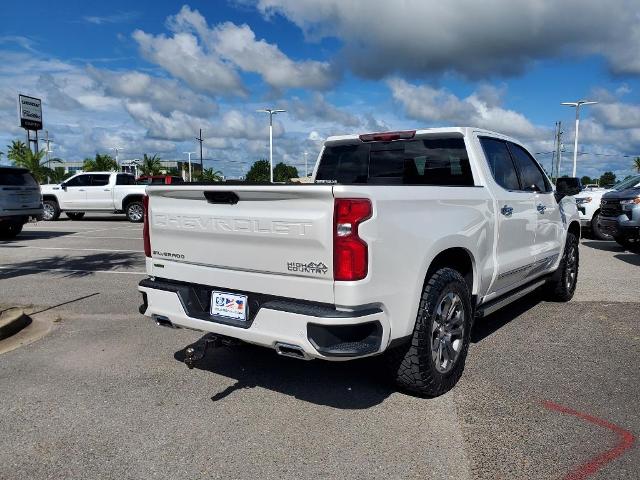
pixel 209 175
pixel 102 163
pixel 636 164
pixel 16 150
pixel 150 165
pixel 35 164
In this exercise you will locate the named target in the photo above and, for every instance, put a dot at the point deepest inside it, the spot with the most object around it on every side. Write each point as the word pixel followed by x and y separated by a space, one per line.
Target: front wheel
pixel 10 230
pixel 596 231
pixel 135 212
pixel 433 362
pixel 50 210
pixel 562 284
pixel 75 215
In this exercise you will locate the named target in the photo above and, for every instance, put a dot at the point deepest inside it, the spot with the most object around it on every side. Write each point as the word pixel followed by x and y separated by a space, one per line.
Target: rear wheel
pixel 596 231
pixel 562 285
pixel 10 230
pixel 135 211
pixel 75 215
pixel 433 362
pixel 50 210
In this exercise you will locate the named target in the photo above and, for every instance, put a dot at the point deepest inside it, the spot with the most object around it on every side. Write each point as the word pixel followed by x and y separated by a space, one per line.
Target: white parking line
pixel 82 249
pixel 64 270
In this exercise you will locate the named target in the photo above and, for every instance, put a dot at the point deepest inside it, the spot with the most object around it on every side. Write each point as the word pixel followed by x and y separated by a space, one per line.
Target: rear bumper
pixel 20 215
pixel 319 330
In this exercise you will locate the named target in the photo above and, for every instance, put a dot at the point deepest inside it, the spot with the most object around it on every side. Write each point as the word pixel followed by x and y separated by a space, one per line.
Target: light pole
pixel 189 153
pixel 577 105
pixel 306 171
pixel 271 112
pixel 116 149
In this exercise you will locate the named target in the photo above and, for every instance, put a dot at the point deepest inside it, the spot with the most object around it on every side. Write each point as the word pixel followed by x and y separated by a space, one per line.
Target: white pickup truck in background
pixel 404 239
pixel 94 192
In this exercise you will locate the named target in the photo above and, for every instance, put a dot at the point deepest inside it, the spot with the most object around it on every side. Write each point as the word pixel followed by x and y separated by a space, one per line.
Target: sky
pixel 145 76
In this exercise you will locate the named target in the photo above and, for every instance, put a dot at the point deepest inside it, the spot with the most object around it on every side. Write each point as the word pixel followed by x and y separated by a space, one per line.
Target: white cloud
pixel 120 17
pixel 239 45
pixel 208 57
pixel 479 109
pixel 477 39
pixel 317 109
pixel 183 57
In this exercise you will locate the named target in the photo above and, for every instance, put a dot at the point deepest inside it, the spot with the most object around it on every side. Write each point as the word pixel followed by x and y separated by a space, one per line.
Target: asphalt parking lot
pixel 550 390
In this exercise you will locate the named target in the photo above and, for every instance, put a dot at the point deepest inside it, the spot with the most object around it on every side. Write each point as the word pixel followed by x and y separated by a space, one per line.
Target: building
pixel 178 167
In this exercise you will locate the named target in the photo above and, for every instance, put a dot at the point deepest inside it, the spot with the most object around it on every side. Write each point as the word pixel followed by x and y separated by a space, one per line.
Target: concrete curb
pixel 12 320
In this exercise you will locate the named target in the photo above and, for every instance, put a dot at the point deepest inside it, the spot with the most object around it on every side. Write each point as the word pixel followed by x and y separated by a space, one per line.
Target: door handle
pixel 107 189
pixel 506 210
pixel 541 208
pixel 81 189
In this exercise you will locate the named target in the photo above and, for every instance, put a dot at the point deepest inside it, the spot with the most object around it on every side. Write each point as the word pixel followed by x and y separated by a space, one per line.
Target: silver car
pixel 20 200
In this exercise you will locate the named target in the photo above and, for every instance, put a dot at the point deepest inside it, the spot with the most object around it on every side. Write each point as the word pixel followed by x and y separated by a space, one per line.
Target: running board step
pixel 494 305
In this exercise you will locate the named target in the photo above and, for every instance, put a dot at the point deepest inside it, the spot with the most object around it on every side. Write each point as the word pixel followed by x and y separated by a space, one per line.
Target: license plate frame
pixel 232 306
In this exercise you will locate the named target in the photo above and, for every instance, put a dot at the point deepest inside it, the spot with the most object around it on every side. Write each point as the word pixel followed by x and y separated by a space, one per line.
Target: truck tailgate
pixel 245 237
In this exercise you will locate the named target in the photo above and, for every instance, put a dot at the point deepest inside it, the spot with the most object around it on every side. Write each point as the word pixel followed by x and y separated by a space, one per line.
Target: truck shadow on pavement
pixel 360 384
pixel 34 235
pixel 72 266
pixel 607 246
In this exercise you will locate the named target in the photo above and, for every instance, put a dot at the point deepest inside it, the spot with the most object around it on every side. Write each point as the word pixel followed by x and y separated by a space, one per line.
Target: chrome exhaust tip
pixel 289 350
pixel 162 321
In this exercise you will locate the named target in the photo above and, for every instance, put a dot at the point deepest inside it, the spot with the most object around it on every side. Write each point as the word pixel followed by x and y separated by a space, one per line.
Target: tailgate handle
pixel 229 198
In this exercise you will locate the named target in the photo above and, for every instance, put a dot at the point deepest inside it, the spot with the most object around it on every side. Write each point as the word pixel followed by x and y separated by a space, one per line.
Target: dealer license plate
pixel 229 305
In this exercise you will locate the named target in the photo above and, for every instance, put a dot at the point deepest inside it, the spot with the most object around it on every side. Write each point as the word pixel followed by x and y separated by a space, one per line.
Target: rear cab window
pixel 425 161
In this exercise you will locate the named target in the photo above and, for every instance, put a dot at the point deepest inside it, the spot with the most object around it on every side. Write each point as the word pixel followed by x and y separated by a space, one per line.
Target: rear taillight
pixel 350 252
pixel 145 228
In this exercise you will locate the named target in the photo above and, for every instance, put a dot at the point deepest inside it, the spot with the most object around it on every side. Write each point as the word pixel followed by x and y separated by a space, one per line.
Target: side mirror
pixel 63 186
pixel 567 186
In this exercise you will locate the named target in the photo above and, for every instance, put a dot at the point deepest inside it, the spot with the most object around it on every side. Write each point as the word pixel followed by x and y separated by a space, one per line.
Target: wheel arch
pixel 574 227
pixel 459 259
pixel 132 197
pixel 50 196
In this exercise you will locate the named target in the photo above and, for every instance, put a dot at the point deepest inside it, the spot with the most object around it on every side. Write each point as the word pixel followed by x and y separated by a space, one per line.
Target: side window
pixel 500 163
pixel 99 180
pixel 124 179
pixel 533 180
pixel 79 181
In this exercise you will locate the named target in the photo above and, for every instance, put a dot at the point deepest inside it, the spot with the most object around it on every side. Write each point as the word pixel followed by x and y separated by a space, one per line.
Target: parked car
pixel 589 206
pixel 94 192
pixel 159 179
pixel 20 200
pixel 620 212
pixel 404 239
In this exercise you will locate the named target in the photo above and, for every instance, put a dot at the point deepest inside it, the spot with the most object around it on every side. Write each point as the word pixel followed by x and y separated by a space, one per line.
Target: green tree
pixel 210 175
pixel 16 150
pixel 284 173
pixel 636 164
pixel 259 172
pixel 586 180
pixel 57 174
pixel 150 165
pixel 607 178
pixel 35 163
pixel 102 163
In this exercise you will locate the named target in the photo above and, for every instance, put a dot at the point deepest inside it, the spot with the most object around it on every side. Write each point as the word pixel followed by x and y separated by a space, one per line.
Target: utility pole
pixel 306 171
pixel 48 141
pixel 558 152
pixel 199 139
pixel 189 153
pixel 271 112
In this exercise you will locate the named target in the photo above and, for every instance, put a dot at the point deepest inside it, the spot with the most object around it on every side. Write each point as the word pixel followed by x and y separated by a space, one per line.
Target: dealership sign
pixel 30 109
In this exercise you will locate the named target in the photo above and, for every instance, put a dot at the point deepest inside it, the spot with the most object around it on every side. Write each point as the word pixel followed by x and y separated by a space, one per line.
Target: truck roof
pixel 426 131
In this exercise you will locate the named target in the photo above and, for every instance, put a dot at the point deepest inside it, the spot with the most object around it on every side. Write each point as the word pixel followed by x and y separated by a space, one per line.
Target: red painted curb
pixel 594 464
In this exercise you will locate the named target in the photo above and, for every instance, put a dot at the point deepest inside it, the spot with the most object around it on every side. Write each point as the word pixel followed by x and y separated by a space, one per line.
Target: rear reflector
pixel 145 228
pixel 350 252
pixel 387 136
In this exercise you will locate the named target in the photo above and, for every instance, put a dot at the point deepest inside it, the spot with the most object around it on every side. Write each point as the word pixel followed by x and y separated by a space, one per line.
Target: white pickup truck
pixel 404 239
pixel 94 192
